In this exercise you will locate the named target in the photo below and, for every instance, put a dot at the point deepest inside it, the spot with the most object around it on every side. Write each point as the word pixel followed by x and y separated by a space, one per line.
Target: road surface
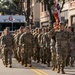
pixel 37 69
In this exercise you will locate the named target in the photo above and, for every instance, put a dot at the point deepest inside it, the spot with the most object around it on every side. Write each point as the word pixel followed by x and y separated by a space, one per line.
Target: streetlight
pixel 30 17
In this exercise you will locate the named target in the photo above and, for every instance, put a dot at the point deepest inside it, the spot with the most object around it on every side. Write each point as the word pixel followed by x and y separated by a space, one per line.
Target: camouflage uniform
pixel 8 41
pixel 36 47
pixel 18 47
pixel 15 51
pixel 39 50
pixel 26 42
pixel 1 55
pixel 48 39
pixel 46 49
pixel 62 45
pixel 72 48
pixel 53 52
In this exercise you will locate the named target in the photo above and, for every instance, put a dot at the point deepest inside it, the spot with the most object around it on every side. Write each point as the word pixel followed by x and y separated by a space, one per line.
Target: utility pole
pixel 28 12
pixel 21 2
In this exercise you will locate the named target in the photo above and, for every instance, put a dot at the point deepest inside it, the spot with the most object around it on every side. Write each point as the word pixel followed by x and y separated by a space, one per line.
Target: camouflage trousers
pixel 15 54
pixel 54 59
pixel 48 55
pixel 43 55
pixel 61 57
pixel 37 53
pixel 18 54
pixel 7 55
pixel 72 54
pixel 26 55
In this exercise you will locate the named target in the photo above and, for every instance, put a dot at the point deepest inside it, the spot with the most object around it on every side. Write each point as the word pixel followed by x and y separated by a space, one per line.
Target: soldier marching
pixel 45 45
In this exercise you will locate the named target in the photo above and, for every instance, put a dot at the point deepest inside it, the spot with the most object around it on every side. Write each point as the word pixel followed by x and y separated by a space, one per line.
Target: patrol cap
pixel 40 29
pixel 22 27
pixel 7 28
pixel 36 28
pixel 27 27
pixel 62 23
pixel 43 28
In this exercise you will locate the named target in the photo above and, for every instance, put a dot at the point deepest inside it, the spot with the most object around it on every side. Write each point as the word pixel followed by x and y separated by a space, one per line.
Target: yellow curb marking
pixel 41 71
pixel 36 71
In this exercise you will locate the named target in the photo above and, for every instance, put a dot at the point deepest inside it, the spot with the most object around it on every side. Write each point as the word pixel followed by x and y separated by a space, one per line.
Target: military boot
pixel 62 70
pixel 53 68
pixel 29 65
pixel 58 69
pixel 38 61
pixel 48 64
pixel 10 66
pixel 6 65
pixel 44 62
pixel 3 62
pixel 72 64
pixel 22 62
pixel 25 65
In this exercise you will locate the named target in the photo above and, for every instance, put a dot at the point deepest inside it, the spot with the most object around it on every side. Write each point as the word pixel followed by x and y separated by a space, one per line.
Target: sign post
pixel 11 19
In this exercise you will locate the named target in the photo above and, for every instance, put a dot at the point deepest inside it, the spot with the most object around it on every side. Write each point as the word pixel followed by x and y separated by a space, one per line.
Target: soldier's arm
pixel 48 40
pixel 33 41
pixel 51 33
pixel 21 40
pixel 17 39
pixel 2 41
pixel 13 42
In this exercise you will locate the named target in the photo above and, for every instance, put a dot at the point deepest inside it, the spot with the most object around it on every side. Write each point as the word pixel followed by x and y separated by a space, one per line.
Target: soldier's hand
pixel 23 45
pixel 4 45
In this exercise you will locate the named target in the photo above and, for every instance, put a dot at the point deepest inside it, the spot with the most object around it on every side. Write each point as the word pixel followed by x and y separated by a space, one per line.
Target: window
pixel 42 7
pixel 73 19
pixel 45 8
pixel 13 26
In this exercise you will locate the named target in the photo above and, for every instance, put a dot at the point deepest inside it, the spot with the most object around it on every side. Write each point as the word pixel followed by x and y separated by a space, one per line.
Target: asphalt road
pixel 37 69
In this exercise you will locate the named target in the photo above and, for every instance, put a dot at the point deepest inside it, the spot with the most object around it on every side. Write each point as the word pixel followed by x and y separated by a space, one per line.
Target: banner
pixel 57 13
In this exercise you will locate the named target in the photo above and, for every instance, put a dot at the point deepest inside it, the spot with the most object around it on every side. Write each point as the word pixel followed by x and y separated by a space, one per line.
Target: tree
pixel 7 7
pixel 19 5
pixel 50 4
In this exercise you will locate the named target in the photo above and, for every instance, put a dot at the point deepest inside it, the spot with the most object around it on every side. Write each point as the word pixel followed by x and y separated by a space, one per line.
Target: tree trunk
pixel 28 12
pixel 51 16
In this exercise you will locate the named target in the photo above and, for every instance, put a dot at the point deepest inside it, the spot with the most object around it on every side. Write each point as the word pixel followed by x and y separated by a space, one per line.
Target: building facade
pixel 72 13
pixel 44 15
pixel 40 15
pixel 34 12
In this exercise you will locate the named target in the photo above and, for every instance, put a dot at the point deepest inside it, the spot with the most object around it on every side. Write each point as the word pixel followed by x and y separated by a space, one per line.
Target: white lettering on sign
pixel 10 18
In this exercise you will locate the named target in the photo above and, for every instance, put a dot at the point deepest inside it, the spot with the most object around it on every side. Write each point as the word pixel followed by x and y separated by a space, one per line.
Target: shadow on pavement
pixel 70 74
pixel 35 65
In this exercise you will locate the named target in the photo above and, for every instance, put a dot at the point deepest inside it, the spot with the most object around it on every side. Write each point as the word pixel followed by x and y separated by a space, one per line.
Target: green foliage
pixel 7 7
pixel 17 2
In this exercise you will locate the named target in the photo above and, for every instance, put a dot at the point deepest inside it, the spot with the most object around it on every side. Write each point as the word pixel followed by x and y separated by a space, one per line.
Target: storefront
pixel 44 19
pixel 72 13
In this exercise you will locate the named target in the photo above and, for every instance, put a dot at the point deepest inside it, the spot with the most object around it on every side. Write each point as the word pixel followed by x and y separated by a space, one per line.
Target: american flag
pixel 57 12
